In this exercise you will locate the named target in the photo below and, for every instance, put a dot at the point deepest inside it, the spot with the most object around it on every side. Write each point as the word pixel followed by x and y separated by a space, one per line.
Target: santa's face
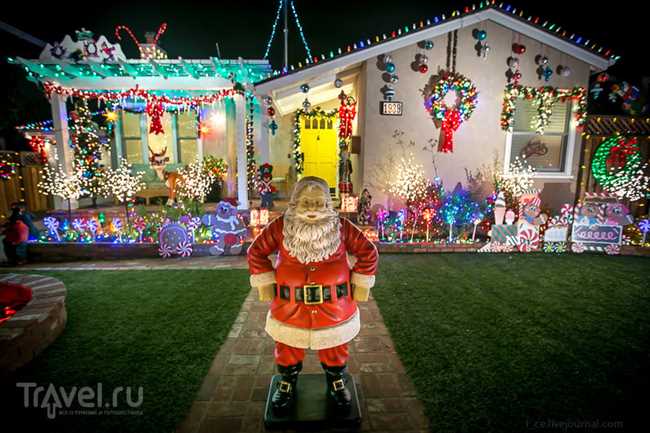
pixel 311 206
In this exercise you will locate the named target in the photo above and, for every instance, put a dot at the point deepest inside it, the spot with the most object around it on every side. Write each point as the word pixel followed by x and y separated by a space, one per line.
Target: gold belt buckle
pixel 305 294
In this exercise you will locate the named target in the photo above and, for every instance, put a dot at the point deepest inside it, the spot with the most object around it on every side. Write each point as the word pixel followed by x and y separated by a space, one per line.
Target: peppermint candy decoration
pixel 549 247
pixel 165 251
pixel 184 249
pixel 613 250
pixel 560 247
pixel 139 224
pixel 578 248
pixel 79 224
pixel 528 240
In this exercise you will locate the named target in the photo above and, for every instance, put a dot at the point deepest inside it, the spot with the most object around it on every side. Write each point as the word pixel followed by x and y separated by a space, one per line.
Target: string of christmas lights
pixel 275 25
pixel 518 179
pixel 543 99
pixel 123 184
pixel 300 30
pixel 87 150
pixel 195 182
pixel 517 13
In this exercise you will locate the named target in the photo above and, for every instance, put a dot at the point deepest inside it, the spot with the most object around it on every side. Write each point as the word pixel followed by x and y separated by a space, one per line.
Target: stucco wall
pixel 479 139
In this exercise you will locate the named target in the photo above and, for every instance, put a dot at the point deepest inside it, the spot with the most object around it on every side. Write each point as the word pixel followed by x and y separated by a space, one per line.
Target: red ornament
pixel 270 111
pixel 450 124
pixel 518 48
pixel 423 68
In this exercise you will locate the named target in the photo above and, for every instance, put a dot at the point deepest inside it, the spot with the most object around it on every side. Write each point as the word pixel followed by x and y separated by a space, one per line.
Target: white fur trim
pixel 361 280
pixel 316 339
pixel 263 279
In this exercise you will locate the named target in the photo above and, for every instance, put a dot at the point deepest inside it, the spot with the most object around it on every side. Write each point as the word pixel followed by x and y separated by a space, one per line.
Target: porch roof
pixel 604 126
pixel 550 34
pixel 170 74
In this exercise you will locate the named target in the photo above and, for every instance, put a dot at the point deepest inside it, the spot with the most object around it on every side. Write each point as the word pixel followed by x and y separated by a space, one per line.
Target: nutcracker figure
pixel 313 291
pixel 265 186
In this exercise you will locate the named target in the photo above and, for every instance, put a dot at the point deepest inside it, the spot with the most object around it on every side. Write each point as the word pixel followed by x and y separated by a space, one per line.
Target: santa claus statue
pixel 313 291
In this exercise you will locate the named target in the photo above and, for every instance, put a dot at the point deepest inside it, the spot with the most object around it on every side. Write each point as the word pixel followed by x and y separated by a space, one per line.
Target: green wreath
pixel 606 164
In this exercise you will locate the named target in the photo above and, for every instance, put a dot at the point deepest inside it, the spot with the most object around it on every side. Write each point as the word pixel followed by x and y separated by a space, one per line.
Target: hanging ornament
pixel 428 44
pixel 306 105
pixel 270 111
pixel 390 67
pixel 268 101
pixel 389 92
pixel 304 88
pixel 338 83
pixel 423 68
pixel 394 78
pixel 273 126
pixel 518 48
pixel 563 71
pixel 482 49
pixel 386 59
pixel 479 35
pixel 544 70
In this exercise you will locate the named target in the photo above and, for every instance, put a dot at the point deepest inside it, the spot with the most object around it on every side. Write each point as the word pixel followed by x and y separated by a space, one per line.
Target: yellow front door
pixel 318 139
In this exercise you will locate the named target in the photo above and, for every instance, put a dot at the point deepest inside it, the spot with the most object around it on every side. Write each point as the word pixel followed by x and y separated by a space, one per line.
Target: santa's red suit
pixel 327 326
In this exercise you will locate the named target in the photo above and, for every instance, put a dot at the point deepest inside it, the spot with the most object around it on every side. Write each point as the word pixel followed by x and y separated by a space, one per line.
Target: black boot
pixel 337 391
pixel 285 393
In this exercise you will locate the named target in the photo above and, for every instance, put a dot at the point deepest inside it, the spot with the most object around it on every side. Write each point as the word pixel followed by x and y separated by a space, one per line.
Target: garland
pixel 543 98
pixel 618 169
pixel 445 117
pixel 7 169
pixel 154 103
pixel 251 165
pixel 297 153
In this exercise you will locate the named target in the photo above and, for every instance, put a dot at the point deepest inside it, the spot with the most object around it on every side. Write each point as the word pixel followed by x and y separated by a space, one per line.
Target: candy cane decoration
pixel 52 225
pixel 161 29
pixel 193 224
pixel 165 251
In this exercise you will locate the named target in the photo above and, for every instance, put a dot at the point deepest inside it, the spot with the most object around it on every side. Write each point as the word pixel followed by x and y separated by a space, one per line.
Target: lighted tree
pixel 87 149
pixel 519 178
pixel 195 182
pixel 56 182
pixel 458 208
pixel 408 181
pixel 123 184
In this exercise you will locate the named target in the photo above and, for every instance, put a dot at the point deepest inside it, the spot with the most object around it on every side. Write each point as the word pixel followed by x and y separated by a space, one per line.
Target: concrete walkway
pixel 233 394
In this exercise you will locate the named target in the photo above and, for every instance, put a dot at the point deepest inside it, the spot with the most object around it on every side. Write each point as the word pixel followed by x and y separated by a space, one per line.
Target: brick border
pixel 34 327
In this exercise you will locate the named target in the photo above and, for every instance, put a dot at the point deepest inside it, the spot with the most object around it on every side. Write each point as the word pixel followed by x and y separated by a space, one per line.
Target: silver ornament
pixel 306 104
pixel 338 83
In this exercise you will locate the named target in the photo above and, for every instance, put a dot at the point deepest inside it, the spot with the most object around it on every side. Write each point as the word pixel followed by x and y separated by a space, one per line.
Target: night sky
pixel 242 27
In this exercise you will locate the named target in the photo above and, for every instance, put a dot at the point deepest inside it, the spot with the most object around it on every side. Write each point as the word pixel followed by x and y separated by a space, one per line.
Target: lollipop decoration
pixel 165 251
pixel 184 249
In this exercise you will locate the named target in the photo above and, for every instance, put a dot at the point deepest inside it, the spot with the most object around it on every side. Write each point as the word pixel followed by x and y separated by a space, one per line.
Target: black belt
pixel 314 293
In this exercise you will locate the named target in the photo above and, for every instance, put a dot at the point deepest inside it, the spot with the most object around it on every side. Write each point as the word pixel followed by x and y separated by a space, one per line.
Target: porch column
pixel 63 150
pixel 263 136
pixel 240 142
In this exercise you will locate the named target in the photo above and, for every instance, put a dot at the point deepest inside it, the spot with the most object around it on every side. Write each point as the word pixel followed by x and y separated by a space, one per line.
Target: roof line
pixel 492 12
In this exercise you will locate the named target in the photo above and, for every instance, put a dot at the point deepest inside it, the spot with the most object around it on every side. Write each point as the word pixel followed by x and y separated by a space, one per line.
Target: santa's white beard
pixel 311 241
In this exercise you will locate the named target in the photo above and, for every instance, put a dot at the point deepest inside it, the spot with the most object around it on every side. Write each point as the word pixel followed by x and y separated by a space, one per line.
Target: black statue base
pixel 312 410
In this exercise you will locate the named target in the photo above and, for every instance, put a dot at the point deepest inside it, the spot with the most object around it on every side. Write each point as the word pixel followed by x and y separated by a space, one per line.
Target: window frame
pixel 567 164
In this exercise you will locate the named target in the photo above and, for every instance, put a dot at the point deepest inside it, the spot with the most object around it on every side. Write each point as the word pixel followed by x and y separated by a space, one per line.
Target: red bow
pixel 450 124
pixel 618 154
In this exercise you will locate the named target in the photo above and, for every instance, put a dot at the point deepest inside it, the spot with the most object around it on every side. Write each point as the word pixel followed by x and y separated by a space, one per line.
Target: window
pixel 187 136
pixel 132 137
pixel 548 152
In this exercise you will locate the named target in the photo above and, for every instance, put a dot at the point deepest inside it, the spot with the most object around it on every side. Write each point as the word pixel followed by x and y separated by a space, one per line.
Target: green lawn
pixel 155 329
pixel 498 343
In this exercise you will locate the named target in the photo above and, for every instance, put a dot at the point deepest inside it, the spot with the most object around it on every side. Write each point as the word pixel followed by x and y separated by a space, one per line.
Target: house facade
pixel 296 120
